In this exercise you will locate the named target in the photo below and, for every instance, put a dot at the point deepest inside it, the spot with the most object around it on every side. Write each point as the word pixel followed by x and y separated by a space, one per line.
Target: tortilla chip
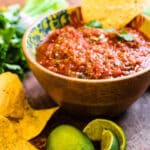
pixel 25 145
pixel 115 13
pixel 30 122
pixel 34 121
pixel 11 137
pixel 145 27
pixel 12 96
pixel 142 24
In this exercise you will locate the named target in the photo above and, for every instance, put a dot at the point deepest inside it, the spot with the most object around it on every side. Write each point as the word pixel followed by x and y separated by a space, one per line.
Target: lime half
pixel 67 137
pixel 95 128
pixel 109 141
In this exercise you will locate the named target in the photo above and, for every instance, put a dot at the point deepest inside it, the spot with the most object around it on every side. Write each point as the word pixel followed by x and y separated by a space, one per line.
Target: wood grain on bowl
pixel 105 97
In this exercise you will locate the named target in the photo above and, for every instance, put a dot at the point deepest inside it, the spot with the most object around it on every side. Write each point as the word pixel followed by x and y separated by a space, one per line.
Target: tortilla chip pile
pixel 115 13
pixel 18 121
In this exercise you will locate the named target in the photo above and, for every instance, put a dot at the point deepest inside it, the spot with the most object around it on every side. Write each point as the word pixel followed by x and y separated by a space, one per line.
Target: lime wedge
pixel 95 128
pixel 109 141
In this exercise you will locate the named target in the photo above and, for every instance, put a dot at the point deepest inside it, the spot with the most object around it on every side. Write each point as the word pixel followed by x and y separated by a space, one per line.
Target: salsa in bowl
pixel 93 53
pixel 79 77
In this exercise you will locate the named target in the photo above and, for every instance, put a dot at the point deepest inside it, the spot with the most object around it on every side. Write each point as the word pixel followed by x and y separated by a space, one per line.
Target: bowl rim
pixel 33 61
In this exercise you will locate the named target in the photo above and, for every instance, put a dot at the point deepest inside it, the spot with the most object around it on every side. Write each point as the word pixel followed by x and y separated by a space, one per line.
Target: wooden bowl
pixel 108 97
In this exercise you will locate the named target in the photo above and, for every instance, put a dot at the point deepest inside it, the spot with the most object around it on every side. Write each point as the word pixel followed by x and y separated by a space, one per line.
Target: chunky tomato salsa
pixel 93 53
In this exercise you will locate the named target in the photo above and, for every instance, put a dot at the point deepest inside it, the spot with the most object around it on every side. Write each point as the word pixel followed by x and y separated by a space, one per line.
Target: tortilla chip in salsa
pixel 116 13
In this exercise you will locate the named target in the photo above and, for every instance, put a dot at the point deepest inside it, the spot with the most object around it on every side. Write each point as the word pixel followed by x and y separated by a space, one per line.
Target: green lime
pixel 94 131
pixel 109 141
pixel 66 137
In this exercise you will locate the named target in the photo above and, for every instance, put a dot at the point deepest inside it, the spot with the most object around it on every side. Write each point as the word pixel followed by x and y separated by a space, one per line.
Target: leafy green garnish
pixel 36 8
pixel 110 30
pixel 121 35
pixel 146 12
pixel 11 54
pixel 126 36
pixel 12 29
pixel 94 24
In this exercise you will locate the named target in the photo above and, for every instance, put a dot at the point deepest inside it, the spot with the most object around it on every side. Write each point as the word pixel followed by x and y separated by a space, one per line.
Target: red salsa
pixel 93 53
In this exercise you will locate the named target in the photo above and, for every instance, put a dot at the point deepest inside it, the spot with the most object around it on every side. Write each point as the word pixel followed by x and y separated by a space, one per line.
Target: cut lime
pixel 67 137
pixel 94 131
pixel 109 141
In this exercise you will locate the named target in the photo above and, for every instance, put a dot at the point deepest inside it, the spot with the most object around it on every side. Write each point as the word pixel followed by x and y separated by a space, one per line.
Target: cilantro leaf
pixel 122 35
pixel 126 36
pixel 110 30
pixel 11 53
pixel 146 12
pixel 94 24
